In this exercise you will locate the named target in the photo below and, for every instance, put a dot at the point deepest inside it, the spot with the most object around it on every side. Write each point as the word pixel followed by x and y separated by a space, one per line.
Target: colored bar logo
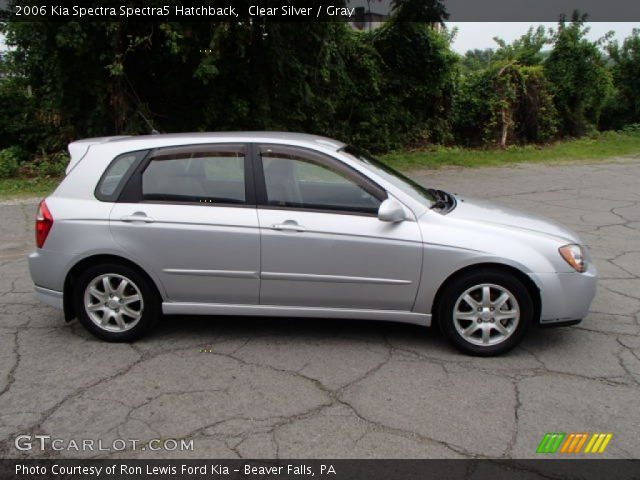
pixel 574 442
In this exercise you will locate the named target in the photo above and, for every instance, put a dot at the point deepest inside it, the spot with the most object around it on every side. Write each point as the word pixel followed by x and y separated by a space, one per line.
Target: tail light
pixel 44 222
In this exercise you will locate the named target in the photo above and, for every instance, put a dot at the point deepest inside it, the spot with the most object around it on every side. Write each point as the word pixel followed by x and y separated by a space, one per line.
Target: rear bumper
pixel 565 297
pixel 50 297
pixel 48 271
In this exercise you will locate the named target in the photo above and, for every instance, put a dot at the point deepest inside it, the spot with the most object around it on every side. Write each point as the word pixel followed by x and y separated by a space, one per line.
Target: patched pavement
pixel 264 388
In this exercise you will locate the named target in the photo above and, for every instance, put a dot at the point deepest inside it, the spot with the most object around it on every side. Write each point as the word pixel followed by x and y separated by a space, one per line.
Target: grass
pixel 599 147
pixel 27 187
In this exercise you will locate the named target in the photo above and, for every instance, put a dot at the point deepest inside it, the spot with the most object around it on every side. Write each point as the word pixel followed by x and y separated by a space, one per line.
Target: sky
pixel 480 34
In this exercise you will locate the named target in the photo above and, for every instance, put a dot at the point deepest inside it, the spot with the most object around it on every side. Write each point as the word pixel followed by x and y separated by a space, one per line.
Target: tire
pixel 123 312
pixel 465 316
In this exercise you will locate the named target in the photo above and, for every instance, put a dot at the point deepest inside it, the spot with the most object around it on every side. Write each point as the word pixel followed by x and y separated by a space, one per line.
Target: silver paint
pixel 207 259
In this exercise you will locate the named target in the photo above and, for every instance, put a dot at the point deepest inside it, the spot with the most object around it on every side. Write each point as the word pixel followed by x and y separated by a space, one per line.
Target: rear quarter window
pixel 116 174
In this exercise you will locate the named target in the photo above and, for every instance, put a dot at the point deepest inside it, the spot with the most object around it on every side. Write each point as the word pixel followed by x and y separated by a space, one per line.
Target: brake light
pixel 44 222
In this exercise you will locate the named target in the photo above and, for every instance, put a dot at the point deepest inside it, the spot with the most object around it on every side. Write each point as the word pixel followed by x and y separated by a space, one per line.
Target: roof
pixel 248 136
pixel 79 148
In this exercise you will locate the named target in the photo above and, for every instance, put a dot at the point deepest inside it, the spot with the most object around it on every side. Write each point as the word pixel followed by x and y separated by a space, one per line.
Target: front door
pixel 194 223
pixel 322 244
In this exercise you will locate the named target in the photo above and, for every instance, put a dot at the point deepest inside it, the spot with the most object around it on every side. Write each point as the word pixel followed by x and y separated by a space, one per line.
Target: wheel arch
pixel 74 272
pixel 529 284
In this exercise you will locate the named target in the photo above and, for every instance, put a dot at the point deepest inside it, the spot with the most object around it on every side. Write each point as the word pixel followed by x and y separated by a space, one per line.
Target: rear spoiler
pixel 78 149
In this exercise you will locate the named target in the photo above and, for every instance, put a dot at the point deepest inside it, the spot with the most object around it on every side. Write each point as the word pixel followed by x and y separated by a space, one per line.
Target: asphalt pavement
pixel 289 388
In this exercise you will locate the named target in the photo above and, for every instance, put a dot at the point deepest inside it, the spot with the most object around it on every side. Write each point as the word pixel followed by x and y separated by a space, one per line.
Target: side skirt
pixel 180 308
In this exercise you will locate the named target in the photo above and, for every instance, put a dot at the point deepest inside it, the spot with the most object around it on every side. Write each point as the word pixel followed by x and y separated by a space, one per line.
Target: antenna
pixel 149 124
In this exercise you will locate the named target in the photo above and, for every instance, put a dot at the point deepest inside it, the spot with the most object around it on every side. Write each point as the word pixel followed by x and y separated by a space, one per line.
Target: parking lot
pixel 265 388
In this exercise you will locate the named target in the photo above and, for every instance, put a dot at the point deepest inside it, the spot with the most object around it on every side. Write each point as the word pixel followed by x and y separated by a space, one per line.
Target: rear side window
pixel 115 176
pixel 215 174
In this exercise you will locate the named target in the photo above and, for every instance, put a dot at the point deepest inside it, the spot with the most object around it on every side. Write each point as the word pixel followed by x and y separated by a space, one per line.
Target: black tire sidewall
pixel 460 285
pixel 150 298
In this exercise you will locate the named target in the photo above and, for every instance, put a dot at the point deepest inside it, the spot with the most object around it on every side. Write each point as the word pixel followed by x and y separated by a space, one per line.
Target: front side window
pixel 298 178
pixel 191 175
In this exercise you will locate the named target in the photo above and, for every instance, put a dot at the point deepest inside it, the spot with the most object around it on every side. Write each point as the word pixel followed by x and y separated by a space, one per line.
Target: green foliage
pixel 581 81
pixel 90 79
pixel 624 105
pixel 396 87
pixel 601 146
pixel 45 166
pixel 254 75
pixel 476 59
pixel 519 93
pixel 505 104
pixel 420 73
pixel 10 161
pixel 526 50
pixel 17 187
pixel 21 120
pixel 429 11
pixel 382 89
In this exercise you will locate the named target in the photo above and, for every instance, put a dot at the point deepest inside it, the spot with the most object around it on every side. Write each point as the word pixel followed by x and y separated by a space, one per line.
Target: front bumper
pixel 565 297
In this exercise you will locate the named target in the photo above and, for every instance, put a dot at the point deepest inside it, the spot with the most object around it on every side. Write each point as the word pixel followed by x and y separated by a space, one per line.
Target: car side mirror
pixel 391 211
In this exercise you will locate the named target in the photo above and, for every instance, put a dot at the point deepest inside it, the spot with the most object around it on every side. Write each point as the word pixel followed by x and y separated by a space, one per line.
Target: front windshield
pixel 417 191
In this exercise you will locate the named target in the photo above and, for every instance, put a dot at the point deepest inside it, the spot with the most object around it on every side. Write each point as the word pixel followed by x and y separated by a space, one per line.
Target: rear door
pixel 322 244
pixel 189 214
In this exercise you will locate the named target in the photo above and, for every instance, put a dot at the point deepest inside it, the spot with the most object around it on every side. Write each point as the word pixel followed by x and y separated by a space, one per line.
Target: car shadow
pixel 204 331
pixel 217 326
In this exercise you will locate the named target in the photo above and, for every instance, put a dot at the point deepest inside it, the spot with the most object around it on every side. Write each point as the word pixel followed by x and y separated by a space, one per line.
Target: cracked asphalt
pixel 265 388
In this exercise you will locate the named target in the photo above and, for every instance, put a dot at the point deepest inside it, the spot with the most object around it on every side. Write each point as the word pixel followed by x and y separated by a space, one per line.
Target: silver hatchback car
pixel 282 224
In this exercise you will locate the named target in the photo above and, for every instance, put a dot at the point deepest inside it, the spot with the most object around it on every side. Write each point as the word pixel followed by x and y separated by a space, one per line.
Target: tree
pixel 477 59
pixel 624 107
pixel 420 72
pixel 526 50
pixel 505 104
pixel 103 78
pixel 503 95
pixel 578 72
pixel 424 11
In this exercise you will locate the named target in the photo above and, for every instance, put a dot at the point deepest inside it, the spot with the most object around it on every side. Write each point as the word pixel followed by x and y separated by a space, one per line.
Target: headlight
pixel 574 255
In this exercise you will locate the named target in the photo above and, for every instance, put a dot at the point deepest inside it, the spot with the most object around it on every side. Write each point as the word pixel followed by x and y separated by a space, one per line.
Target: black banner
pixel 355 11
pixel 321 469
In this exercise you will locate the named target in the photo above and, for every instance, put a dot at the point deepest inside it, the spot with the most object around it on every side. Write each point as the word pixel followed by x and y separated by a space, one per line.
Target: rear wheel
pixel 116 303
pixel 485 312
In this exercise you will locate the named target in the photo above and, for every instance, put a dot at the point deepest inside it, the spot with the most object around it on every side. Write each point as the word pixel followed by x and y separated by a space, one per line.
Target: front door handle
pixel 137 217
pixel 289 226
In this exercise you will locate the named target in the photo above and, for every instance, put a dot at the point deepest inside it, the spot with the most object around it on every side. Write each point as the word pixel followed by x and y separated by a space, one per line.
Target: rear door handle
pixel 289 226
pixel 137 217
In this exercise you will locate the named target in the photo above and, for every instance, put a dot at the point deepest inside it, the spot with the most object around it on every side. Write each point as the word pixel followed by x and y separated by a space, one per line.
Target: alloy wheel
pixel 486 314
pixel 113 302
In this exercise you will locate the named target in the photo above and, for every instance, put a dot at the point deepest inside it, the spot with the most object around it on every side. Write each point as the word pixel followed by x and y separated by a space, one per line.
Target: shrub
pixel 10 161
pixel 623 106
pixel 505 104
pixel 419 81
pixel 45 166
pixel 582 83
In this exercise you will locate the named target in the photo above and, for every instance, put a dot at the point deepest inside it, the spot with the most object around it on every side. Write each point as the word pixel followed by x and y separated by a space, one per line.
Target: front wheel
pixel 116 303
pixel 485 313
